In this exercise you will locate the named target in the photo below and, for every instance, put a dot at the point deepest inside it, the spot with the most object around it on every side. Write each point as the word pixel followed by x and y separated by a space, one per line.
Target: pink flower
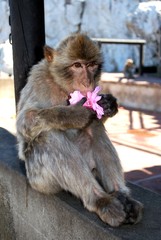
pixel 92 99
pixel 76 96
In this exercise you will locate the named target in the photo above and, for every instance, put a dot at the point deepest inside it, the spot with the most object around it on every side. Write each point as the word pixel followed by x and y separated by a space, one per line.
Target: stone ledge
pixel 27 214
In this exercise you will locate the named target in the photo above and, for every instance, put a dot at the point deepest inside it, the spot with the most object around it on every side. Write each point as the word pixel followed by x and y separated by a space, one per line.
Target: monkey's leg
pixel 106 160
pixel 111 176
pixel 59 163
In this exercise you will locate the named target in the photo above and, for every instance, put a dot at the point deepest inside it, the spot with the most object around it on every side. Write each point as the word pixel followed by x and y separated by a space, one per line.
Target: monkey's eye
pixel 77 65
pixel 91 64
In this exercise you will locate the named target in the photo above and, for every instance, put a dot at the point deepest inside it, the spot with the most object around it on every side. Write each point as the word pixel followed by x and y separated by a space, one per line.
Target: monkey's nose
pixel 86 84
pixel 86 89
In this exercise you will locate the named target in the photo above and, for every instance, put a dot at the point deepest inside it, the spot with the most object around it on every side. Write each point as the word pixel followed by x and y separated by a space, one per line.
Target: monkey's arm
pixel 109 105
pixel 32 122
pixel 65 117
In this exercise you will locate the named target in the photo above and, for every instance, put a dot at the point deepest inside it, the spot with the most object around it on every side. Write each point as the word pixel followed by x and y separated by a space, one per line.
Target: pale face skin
pixel 84 75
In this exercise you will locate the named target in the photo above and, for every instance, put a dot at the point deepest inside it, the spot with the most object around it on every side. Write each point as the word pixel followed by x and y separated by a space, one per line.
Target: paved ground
pixel 137 138
pixel 135 134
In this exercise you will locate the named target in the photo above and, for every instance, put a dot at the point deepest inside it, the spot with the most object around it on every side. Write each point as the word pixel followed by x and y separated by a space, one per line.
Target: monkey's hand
pixel 109 104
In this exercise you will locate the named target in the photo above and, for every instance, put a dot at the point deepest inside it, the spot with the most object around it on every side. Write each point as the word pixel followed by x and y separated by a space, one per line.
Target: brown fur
pixel 64 145
pixel 129 69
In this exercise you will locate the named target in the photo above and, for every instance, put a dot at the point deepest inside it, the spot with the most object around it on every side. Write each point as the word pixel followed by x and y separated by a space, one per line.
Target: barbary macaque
pixel 66 147
pixel 129 69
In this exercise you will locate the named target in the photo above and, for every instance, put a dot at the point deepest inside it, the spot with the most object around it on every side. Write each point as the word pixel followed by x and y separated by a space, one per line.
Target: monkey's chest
pixel 83 138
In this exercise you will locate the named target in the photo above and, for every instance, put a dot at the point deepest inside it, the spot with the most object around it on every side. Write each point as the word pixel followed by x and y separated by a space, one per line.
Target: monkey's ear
pixel 49 53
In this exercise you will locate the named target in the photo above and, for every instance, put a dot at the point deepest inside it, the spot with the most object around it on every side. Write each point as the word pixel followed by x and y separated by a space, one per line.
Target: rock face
pixel 6 60
pixel 109 21
pixel 4 22
pixel 6 64
pixel 105 19
pixel 145 22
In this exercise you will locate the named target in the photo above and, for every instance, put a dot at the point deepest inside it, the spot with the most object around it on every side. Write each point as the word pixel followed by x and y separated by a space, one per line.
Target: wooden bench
pixel 139 42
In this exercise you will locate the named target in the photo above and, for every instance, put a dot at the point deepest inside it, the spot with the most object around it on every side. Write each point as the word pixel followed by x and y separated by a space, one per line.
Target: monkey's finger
pixel 102 102
pixel 82 101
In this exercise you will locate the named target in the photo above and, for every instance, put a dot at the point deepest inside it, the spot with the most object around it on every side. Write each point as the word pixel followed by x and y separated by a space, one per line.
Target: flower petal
pixel 92 99
pixel 76 96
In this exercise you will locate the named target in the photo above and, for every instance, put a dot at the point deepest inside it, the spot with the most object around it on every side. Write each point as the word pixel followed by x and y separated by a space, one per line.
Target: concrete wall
pixel 28 215
pixel 137 95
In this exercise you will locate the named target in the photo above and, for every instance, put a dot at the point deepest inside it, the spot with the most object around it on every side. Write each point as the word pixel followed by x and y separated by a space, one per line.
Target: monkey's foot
pixel 132 208
pixel 110 210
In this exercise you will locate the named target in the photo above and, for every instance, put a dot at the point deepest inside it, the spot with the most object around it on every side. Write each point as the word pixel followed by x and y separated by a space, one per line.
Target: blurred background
pixel 136 129
pixel 100 19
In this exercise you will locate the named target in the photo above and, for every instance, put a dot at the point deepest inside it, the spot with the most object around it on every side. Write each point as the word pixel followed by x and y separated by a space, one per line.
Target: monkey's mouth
pixel 84 92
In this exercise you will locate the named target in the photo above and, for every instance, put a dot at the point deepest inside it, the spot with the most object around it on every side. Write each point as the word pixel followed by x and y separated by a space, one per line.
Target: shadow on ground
pixel 149 178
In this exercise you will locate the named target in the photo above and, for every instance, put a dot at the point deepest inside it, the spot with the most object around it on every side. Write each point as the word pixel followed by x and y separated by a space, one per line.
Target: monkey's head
pixel 129 63
pixel 75 64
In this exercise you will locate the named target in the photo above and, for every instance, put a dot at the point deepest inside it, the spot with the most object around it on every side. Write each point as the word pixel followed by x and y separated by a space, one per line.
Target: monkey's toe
pixel 111 211
pixel 134 211
pixel 132 208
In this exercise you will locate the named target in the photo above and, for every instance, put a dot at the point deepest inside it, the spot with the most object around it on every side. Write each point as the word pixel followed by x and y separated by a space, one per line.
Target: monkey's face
pixel 83 75
pixel 76 64
pixel 129 63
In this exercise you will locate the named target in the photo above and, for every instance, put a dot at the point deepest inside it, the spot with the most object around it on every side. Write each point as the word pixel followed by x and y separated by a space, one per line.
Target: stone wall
pixel 133 94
